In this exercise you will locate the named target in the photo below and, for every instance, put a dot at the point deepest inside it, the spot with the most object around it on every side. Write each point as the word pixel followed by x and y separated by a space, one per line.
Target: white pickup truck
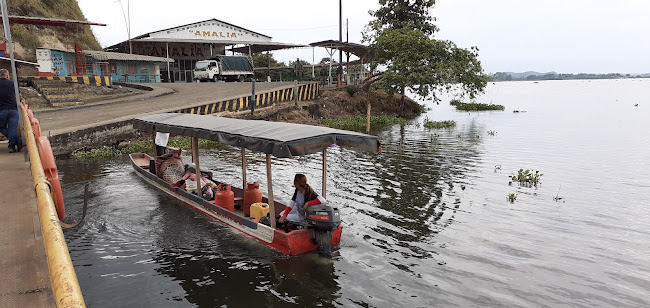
pixel 228 68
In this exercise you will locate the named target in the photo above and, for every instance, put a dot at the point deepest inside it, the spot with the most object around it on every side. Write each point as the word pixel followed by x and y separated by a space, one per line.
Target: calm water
pixel 426 222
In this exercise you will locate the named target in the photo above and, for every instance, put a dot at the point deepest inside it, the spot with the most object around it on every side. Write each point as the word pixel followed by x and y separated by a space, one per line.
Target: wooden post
pixel 153 137
pixel 295 93
pixel 368 118
pixel 270 188
pixel 195 156
pixel 324 192
pixel 252 101
pixel 243 167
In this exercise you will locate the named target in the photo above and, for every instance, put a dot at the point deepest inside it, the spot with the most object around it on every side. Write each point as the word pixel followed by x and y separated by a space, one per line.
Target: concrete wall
pixel 306 92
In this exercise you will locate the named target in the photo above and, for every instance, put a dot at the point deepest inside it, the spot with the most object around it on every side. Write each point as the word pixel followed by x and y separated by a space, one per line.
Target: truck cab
pixel 205 70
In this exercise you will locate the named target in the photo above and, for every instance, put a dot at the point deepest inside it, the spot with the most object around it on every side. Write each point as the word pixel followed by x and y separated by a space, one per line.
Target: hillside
pixel 27 38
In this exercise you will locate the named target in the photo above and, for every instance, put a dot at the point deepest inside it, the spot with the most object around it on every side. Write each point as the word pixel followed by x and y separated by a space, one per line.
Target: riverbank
pixel 334 108
pixel 336 104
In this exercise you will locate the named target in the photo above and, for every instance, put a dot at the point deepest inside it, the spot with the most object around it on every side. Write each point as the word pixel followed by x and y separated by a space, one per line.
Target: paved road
pixel 59 121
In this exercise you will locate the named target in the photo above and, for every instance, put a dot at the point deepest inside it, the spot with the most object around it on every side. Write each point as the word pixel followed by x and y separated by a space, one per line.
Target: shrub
pixel 351 90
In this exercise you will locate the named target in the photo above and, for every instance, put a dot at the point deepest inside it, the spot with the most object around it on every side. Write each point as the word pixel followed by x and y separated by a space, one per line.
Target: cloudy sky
pixel 565 36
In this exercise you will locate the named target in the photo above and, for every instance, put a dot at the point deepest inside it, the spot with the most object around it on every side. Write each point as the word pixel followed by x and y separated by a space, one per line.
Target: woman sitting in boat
pixel 303 197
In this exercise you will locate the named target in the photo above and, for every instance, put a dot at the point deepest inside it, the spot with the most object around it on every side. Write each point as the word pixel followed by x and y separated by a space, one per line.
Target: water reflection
pixel 425 222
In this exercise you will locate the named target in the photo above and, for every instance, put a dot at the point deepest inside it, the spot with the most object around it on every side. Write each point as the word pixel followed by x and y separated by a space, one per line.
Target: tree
pixel 404 50
pixel 397 14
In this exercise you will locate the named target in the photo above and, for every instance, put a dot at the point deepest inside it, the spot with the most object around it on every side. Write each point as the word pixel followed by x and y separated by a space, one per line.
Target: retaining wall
pixel 306 92
pixel 89 80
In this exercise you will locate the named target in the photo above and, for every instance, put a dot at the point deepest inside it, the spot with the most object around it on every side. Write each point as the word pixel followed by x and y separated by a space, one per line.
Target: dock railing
pixel 65 286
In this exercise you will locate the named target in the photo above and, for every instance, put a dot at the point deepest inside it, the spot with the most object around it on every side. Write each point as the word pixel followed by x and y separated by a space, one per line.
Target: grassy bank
pixel 142 146
pixel 358 123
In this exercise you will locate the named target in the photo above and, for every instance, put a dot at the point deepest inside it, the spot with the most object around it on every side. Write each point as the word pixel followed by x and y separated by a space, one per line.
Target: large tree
pixel 404 49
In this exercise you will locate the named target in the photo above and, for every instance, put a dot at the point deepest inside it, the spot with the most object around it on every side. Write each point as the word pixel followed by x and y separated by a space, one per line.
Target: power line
pixel 323 27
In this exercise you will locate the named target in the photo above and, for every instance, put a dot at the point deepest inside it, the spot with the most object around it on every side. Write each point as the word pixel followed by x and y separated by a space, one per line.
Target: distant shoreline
pixel 534 76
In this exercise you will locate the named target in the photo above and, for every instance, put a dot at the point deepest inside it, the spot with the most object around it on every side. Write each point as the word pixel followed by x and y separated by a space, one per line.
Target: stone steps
pixel 57 92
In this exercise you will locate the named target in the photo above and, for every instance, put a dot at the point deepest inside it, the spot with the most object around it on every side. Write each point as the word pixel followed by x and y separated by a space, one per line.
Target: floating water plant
pixel 438 124
pixel 557 196
pixel 474 106
pixel 527 178
pixel 511 198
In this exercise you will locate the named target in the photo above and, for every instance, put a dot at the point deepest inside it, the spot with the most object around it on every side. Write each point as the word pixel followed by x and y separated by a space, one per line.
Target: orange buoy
pixel 51 173
pixel 252 194
pixel 225 197
pixel 30 114
pixel 36 128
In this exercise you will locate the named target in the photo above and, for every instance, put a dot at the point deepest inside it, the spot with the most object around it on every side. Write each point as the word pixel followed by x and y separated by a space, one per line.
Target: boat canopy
pixel 276 138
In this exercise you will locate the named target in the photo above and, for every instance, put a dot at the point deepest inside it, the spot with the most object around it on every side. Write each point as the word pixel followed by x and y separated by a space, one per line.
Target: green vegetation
pixel 358 123
pixel 511 198
pixel 30 36
pixel 401 44
pixel 474 106
pixel 180 142
pixel 527 178
pixel 438 124
pixel 26 35
pixel 351 90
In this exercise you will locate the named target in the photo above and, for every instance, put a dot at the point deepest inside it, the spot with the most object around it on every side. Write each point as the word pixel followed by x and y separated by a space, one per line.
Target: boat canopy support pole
pixel 153 137
pixel 195 156
pixel 325 173
pixel 243 167
pixel 270 185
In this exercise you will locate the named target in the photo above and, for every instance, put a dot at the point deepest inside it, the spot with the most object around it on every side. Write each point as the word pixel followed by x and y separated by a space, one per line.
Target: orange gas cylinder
pixel 224 197
pixel 252 194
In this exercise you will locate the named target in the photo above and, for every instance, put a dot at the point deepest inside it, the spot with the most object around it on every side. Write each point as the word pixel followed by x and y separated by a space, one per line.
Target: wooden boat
pixel 321 231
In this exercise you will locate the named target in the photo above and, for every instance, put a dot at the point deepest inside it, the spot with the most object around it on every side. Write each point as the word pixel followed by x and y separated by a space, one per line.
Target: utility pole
pixel 128 10
pixel 340 40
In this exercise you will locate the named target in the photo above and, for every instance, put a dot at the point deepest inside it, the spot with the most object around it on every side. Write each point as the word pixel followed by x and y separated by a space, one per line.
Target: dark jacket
pixel 7 95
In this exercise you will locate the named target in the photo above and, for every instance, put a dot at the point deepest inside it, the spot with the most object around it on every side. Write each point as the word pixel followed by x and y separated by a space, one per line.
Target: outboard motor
pixel 322 220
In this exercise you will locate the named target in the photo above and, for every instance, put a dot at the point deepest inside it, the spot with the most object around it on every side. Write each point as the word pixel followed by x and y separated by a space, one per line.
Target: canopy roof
pixel 19 62
pixel 257 47
pixel 276 138
pixel 358 50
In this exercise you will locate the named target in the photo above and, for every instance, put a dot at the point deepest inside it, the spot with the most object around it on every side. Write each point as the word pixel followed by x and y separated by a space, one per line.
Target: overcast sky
pixel 565 36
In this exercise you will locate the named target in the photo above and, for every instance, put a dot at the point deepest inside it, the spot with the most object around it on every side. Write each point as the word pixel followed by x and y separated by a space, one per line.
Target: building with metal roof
pixel 193 42
pixel 119 66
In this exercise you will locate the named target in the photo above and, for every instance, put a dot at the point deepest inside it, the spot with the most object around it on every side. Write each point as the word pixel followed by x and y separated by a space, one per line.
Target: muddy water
pixel 426 222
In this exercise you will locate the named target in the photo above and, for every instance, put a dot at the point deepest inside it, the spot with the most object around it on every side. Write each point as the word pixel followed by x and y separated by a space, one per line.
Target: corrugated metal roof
pixel 19 62
pixel 257 47
pixel 105 55
pixel 276 138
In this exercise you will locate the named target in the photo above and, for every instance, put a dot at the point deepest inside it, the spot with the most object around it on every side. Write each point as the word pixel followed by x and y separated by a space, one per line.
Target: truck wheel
pixel 240 78
pixel 215 78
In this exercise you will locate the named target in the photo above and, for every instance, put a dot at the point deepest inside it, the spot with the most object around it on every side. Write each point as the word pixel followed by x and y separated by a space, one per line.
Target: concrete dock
pixel 25 279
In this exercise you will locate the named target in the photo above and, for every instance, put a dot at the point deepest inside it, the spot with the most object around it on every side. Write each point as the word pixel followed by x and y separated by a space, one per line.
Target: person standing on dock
pixel 9 112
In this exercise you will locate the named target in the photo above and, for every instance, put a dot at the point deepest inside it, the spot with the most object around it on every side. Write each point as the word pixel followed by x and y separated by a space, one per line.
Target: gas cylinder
pixel 252 194
pixel 225 198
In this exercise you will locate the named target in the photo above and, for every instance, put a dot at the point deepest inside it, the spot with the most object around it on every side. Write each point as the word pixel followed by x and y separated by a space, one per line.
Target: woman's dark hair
pixel 301 180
